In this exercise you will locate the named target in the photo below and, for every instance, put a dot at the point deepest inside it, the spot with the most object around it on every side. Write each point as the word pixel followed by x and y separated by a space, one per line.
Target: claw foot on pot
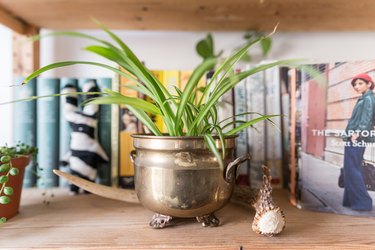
pixel 209 220
pixel 160 221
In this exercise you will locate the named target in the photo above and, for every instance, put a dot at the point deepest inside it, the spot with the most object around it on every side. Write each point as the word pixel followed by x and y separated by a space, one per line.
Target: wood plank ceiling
pixel 191 15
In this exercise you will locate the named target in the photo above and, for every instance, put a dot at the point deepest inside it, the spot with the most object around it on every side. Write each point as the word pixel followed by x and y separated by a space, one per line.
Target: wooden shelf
pixel 89 221
pixel 192 15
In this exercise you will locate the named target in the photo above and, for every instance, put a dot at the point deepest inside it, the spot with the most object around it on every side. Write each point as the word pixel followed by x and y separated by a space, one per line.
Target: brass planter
pixel 180 177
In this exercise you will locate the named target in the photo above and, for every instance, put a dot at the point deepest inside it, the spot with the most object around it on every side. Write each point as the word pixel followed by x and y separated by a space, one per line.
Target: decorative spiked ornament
pixel 269 219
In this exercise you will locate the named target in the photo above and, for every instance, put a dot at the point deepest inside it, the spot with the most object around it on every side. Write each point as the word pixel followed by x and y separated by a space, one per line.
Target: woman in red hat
pixel 358 133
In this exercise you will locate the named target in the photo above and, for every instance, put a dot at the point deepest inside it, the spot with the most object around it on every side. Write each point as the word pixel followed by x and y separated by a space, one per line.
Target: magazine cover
pixel 332 137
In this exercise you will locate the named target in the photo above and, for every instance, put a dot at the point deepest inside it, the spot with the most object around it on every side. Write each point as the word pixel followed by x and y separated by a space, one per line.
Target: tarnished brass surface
pixel 179 176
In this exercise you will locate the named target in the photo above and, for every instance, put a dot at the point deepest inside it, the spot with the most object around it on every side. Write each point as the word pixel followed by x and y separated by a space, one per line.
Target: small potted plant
pixel 13 161
pixel 190 171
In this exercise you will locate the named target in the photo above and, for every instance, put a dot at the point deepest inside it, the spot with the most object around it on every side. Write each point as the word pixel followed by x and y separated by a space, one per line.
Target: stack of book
pixel 50 132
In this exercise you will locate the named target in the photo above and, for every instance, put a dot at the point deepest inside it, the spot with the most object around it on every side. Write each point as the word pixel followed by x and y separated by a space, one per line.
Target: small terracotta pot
pixel 11 209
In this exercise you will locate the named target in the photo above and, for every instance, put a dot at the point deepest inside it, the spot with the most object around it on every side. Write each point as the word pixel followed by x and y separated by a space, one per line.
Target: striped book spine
pixel 65 130
pixel 24 130
pixel 47 131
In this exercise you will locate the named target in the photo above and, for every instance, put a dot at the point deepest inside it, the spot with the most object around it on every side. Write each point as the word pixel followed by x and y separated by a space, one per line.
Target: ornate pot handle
pixel 230 173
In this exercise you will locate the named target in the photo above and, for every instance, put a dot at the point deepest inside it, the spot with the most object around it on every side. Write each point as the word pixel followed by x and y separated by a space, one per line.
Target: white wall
pixel 159 50
pixel 176 50
pixel 325 46
pixel 6 65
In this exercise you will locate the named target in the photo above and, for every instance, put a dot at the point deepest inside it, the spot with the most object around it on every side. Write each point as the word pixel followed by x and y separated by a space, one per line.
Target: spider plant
pixel 181 114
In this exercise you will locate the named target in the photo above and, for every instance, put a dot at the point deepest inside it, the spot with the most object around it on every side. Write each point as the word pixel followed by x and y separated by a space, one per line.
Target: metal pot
pixel 181 177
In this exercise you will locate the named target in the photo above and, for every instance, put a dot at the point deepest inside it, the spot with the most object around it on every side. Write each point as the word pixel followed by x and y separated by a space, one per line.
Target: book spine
pixel 225 108
pixel 240 106
pixel 104 134
pixel 256 140
pixel 115 132
pixel 65 131
pixel 24 130
pixel 184 78
pixel 171 79
pixel 128 126
pixel 159 74
pixel 273 134
pixel 47 131
pixel 201 84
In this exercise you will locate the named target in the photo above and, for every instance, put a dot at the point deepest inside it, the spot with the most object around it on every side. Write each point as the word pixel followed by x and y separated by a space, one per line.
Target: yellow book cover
pixel 184 77
pixel 128 126
pixel 168 78
pixel 201 83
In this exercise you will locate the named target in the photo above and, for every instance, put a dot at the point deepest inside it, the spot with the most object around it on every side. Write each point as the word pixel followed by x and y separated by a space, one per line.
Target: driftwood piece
pixel 126 195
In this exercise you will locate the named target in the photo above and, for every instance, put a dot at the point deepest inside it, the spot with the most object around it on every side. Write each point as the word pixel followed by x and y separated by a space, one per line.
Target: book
pixel 240 106
pixel 115 131
pixel 255 89
pixel 47 131
pixel 273 135
pixel 65 131
pixel 170 79
pixel 263 97
pixel 285 123
pixel 104 133
pixel 328 112
pixel 24 125
pixel 128 126
pixel 184 78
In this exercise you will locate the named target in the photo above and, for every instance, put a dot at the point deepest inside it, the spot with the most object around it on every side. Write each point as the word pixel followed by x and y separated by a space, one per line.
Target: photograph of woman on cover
pixel 128 121
pixel 356 196
pixel 333 132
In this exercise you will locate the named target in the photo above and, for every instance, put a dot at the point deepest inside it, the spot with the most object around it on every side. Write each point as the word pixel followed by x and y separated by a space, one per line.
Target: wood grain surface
pixel 203 15
pixel 92 222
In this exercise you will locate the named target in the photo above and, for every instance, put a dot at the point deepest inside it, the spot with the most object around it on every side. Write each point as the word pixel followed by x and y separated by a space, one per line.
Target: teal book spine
pixel 47 131
pixel 24 124
pixel 104 133
pixel 65 131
